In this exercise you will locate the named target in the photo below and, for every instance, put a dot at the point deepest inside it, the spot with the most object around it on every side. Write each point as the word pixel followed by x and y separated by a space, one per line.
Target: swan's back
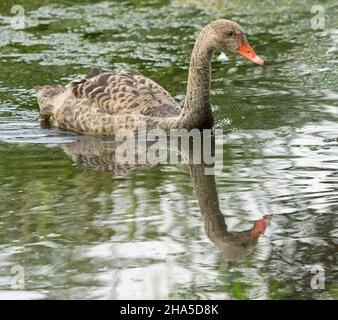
pixel 125 92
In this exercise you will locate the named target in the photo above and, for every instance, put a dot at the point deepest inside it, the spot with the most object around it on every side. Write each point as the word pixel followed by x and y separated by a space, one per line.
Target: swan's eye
pixel 230 33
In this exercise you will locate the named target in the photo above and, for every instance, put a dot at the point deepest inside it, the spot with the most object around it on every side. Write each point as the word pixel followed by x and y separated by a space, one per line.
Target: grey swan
pixel 107 103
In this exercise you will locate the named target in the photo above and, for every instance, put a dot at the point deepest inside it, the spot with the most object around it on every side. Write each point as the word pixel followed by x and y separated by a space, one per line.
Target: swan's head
pixel 47 94
pixel 229 35
pixel 237 245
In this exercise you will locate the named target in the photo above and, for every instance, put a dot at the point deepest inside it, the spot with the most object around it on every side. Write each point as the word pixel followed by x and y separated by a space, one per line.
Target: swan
pixel 107 103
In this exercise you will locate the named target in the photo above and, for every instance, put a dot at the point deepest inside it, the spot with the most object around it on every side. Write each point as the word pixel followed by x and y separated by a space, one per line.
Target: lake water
pixel 71 230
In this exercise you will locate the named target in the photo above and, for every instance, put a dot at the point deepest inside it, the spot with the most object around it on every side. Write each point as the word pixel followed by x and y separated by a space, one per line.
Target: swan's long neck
pixel 206 192
pixel 197 111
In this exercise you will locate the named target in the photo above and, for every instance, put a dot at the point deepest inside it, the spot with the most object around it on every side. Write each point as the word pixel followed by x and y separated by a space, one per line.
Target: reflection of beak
pixel 245 50
pixel 260 227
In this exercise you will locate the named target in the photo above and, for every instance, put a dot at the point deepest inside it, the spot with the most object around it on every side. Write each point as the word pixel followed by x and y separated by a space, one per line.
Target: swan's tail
pixel 51 96
pixel 47 99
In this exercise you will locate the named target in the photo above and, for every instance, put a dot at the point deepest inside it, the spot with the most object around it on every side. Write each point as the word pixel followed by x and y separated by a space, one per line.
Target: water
pixel 81 232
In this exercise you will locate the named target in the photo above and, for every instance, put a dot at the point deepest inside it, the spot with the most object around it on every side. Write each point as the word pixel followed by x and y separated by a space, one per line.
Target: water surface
pixel 80 232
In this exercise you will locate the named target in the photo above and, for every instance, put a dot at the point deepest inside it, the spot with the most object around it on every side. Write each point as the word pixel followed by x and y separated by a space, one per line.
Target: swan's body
pixel 110 103
pixel 107 103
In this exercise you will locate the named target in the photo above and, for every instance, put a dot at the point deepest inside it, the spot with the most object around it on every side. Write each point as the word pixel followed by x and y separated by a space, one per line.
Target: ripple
pixel 85 233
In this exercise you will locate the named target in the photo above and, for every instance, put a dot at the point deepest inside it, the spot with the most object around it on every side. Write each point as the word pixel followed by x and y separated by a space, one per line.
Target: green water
pixel 79 232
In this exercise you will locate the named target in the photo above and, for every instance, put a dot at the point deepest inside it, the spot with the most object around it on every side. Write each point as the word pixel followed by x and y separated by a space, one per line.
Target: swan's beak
pixel 245 50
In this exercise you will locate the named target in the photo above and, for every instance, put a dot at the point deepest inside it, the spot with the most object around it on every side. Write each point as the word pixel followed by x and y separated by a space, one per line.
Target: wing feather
pixel 125 92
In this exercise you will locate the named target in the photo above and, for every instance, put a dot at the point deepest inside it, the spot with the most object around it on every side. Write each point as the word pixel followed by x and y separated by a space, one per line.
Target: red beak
pixel 245 50
pixel 259 227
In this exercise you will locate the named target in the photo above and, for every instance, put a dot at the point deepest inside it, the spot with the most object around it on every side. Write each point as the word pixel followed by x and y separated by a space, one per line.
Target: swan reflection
pixel 100 153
